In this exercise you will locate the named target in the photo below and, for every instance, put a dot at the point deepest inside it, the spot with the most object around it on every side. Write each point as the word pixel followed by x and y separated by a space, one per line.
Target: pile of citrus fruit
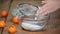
pixel 11 29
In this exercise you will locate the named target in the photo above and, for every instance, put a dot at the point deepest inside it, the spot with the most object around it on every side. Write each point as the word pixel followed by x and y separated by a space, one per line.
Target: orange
pixel 11 29
pixel 4 13
pixel 2 24
pixel 15 20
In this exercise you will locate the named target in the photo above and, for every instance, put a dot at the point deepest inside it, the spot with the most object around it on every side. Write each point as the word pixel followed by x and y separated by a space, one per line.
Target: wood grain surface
pixel 4 5
pixel 52 27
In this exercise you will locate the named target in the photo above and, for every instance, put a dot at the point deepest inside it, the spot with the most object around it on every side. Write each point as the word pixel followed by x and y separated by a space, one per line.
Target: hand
pixel 49 7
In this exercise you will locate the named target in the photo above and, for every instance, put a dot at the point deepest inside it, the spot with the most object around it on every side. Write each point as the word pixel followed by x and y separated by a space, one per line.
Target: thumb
pixel 38 11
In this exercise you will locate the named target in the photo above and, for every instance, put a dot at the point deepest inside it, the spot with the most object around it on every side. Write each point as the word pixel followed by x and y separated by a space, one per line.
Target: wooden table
pixel 53 26
pixel 4 5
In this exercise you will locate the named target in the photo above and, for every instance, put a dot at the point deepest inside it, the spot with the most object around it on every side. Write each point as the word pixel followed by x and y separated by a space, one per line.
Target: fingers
pixel 42 10
pixel 44 2
pixel 48 8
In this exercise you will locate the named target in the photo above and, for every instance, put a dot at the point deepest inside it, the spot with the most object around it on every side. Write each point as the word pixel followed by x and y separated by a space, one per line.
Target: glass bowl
pixel 31 21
